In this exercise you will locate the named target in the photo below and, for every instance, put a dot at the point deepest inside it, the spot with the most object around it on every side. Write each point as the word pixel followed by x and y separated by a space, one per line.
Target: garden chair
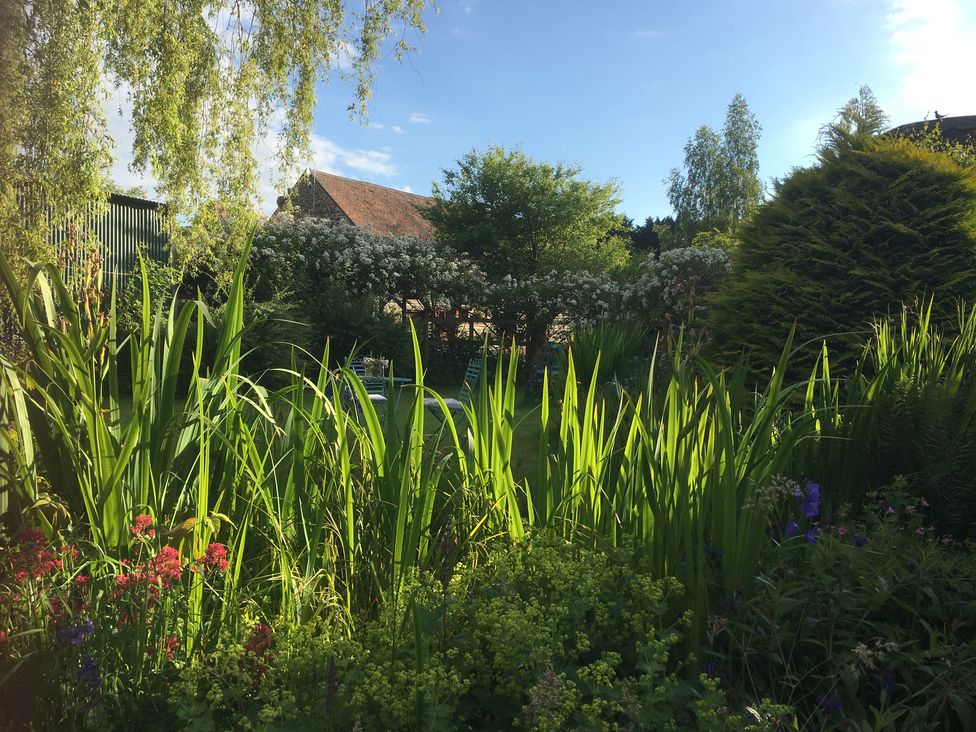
pixel 375 387
pixel 549 358
pixel 455 406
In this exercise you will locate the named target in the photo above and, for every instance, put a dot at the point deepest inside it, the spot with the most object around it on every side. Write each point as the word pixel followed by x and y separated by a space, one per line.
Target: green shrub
pixel 873 623
pixel 869 228
pixel 909 409
pixel 542 636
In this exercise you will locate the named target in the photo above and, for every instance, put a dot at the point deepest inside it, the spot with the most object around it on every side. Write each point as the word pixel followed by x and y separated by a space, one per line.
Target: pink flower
pixel 216 557
pixel 841 531
pixel 143 526
pixel 168 565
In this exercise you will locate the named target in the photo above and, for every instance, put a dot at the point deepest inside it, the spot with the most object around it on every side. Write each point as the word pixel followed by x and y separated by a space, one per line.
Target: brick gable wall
pixel 309 199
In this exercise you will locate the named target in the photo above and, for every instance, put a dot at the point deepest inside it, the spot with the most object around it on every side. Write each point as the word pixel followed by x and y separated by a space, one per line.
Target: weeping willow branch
pixel 206 80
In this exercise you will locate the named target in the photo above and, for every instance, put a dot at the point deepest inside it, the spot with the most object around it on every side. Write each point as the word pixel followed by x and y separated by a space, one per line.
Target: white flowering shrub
pixel 673 285
pixel 339 278
pixel 291 253
pixel 535 302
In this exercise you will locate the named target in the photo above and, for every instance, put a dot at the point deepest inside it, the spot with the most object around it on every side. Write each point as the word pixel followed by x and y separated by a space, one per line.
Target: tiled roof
pixel 955 129
pixel 381 209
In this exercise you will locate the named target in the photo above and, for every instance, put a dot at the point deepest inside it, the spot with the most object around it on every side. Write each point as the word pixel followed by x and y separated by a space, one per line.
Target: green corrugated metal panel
pixel 123 227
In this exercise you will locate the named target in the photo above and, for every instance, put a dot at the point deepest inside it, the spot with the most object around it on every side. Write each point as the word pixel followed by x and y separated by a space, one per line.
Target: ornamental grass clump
pixel 908 409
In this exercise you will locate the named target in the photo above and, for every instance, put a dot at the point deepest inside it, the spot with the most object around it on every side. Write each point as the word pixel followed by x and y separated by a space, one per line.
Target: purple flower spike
pixel 885 681
pixel 830 703
pixel 75 634
pixel 87 673
pixel 811 536
pixel 791 528
pixel 712 671
pixel 859 540
pixel 810 505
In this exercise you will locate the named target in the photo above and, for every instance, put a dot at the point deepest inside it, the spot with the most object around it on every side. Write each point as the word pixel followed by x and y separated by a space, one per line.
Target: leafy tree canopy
pixel 720 182
pixel 651 235
pixel 206 79
pixel 520 217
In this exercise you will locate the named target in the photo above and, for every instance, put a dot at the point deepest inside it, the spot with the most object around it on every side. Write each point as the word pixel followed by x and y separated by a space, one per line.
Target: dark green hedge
pixel 867 229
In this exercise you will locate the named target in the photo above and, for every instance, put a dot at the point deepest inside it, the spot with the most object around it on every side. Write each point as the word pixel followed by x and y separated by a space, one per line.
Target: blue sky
pixel 618 87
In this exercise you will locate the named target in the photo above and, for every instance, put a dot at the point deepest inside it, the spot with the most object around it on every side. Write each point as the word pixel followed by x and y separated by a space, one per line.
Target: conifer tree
pixel 871 227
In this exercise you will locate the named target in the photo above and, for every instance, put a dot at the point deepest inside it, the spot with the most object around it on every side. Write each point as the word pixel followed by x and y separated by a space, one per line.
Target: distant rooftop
pixel 954 129
pixel 370 206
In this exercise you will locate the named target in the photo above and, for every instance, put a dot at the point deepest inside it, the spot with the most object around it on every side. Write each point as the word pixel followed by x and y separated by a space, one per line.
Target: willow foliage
pixel 206 79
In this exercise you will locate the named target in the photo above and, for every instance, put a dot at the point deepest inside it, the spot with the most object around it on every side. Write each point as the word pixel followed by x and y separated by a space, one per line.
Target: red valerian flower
pixel 167 565
pixel 167 648
pixel 170 645
pixel 216 557
pixel 56 609
pixel 143 526
pixel 257 652
pixel 161 572
pixel 30 538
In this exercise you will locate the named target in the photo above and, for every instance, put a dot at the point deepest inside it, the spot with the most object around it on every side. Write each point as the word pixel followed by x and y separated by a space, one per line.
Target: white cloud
pixel 398 129
pixel 345 56
pixel 933 43
pixel 324 155
pixel 646 33
pixel 420 118
pixel 406 189
pixel 376 125
pixel 468 6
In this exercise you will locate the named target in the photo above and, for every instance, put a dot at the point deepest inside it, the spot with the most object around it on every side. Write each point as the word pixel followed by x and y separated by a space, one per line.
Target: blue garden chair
pixel 375 386
pixel 471 378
